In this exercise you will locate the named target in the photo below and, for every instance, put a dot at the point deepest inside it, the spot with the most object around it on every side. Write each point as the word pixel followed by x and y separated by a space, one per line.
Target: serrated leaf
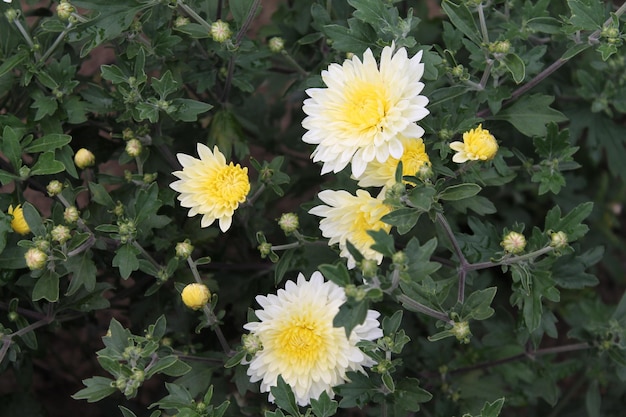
pixel 477 305
pixel 587 14
pixel 165 85
pixel 383 242
pixel 46 165
pixel 324 406
pixel 351 314
pixel 48 142
pixel 284 397
pixel 492 409
pixel 530 114
pixel 126 260
pixel 96 389
pixel 408 396
pixel 100 195
pixel 47 287
pixel 336 273
pixel 463 19
pixel 187 110
pixel 83 271
pixel 403 219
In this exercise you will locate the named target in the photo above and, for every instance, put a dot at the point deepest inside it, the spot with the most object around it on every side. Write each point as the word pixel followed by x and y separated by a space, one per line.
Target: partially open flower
pixel 18 224
pixel 196 296
pixel 478 144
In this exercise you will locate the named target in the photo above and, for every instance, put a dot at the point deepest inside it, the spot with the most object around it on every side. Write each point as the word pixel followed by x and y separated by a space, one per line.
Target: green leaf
pixel 240 10
pixel 383 242
pixel 126 260
pixel 13 61
pixel 571 224
pixel 100 195
pixel 392 324
pixel 48 142
pixel 492 409
pixel 47 287
pixel 284 397
pixel 30 337
pixel 403 218
pixel 351 314
pixel 46 165
pixel 373 12
pixel 64 155
pixel 516 67
pixel 45 105
pixel 98 388
pixel 235 359
pixel 284 264
pixel 187 110
pixel 165 85
pixel 114 74
pixel 593 400
pixel 460 192
pixel 10 146
pixel 530 114
pixel 477 305
pixel 462 18
pixel 194 30
pixel 324 406
pixel 336 273
pixel 83 271
pixel 422 197
pixel 33 218
pixel 587 14
pixel 126 412
pixel 408 396
pixel 358 37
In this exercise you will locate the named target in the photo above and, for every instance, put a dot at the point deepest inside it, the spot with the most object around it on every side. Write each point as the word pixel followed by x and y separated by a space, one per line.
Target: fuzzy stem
pixel 412 304
pixel 56 43
pixel 511 260
pixel 463 267
pixel 191 12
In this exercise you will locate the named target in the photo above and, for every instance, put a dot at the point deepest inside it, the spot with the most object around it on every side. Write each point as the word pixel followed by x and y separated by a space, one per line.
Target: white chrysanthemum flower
pixel 210 187
pixel 299 342
pixel 348 218
pixel 379 174
pixel 364 108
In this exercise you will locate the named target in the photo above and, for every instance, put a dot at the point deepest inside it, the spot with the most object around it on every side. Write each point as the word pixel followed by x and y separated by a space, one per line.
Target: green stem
pixel 287 246
pixel 294 63
pixel 511 260
pixel 250 200
pixel 8 339
pixel 56 43
pixel 417 306
pixel 147 255
pixel 483 24
pixel 194 15
pixel 211 318
pixel 459 254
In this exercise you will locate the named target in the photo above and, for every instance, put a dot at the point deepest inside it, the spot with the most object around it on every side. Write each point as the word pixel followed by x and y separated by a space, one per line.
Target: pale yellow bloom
pixel 295 338
pixel 195 296
pixel 348 218
pixel 359 116
pixel 379 174
pixel 84 158
pixel 210 187
pixel 478 144
pixel 18 224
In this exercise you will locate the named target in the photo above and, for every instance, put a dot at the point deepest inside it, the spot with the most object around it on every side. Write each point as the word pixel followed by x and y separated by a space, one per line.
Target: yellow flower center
pixel 413 159
pixel 366 107
pixel 368 220
pixel 480 144
pixel 300 341
pixel 225 187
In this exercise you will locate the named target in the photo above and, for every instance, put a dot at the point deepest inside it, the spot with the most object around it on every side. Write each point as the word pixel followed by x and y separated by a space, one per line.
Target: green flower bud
pixel 181 21
pixel 71 215
pixel 60 233
pixel 558 240
pixel 251 343
pixel 84 158
pixel 133 148
pixel 265 249
pixel 369 268
pixel 184 249
pixel 41 243
pixel 461 331
pixel 514 243
pixel 54 187
pixel 35 258
pixel 289 222
pixel 276 44
pixel 220 31
pixel 65 10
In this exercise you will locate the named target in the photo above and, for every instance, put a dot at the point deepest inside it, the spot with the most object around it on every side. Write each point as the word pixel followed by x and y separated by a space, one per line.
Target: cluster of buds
pixel 60 233
pixel 127 230
pixel 461 331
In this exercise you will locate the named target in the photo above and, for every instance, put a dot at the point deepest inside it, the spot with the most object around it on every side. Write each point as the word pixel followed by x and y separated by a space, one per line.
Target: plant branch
pixel 463 267
pixel 511 260
pixel 417 306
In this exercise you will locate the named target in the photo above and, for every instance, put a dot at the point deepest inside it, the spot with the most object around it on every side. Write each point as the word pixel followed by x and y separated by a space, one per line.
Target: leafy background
pixel 555 342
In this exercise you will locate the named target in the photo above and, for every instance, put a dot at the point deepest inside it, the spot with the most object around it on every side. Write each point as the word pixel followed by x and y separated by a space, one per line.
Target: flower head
pixel 35 258
pixel 299 342
pixel 348 218
pixel 195 296
pixel 18 224
pixel 365 107
pixel 379 174
pixel 513 242
pixel 210 187
pixel 478 144
pixel 220 31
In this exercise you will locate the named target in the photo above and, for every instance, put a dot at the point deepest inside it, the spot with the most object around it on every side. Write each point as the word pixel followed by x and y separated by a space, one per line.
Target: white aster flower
pixel 348 218
pixel 299 342
pixel 379 174
pixel 364 108
pixel 210 187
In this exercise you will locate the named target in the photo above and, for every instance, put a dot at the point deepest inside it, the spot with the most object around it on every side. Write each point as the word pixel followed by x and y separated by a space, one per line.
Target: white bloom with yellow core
pixel 359 116
pixel 210 187
pixel 379 174
pixel 299 342
pixel 348 217
pixel 478 144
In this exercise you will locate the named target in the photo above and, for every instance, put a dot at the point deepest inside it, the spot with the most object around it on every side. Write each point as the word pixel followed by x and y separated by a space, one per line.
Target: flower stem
pixel 457 250
pixel 211 318
pixel 294 63
pixel 417 306
pixel 191 12
pixel 483 23
pixel 8 339
pixel 511 260
pixel 56 43
pixel 147 255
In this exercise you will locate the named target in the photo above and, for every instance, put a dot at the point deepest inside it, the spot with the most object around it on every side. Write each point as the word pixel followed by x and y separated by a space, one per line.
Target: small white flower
pixel 299 342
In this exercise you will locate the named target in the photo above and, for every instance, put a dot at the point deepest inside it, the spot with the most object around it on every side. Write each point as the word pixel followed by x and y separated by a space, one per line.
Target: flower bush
pixel 297 208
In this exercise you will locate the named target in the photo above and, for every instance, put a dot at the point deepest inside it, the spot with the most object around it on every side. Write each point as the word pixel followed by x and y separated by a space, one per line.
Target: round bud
pixel 289 222
pixel 195 296
pixel 84 158
pixel 184 249
pixel 514 243
pixel 35 258
pixel 276 44
pixel 54 187
pixel 220 31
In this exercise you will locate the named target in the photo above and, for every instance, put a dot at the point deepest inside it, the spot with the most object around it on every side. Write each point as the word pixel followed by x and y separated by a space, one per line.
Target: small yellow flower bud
pixel 220 31
pixel 71 215
pixel 184 249
pixel 18 224
pixel 133 148
pixel 84 158
pixel 35 258
pixel 65 10
pixel 196 296
pixel 514 242
pixel 181 21
pixel 558 240
pixel 54 187
pixel 60 233
pixel 276 44
pixel 478 144
pixel 289 222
